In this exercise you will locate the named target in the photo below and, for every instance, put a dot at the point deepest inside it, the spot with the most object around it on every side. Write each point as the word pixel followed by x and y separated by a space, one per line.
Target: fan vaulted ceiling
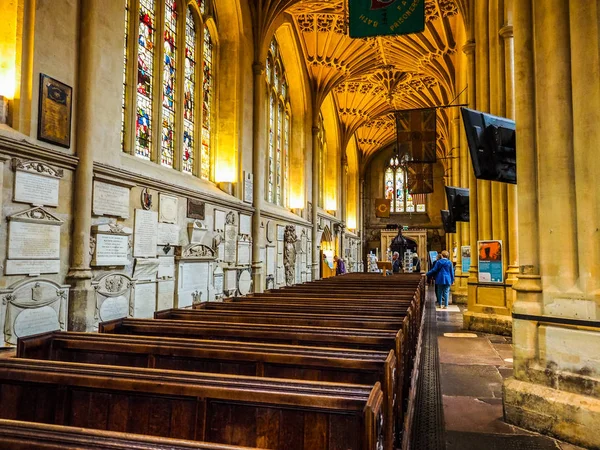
pixel 370 78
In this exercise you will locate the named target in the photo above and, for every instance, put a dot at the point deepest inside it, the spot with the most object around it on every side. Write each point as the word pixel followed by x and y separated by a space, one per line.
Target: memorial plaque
pixel 32 266
pixel 146 233
pixel 111 250
pixel 146 269
pixel 195 209
pixel 197 232
pixel 36 321
pixel 243 253
pixel 280 232
pixel 168 233
pixel 221 251
pixel 193 282
pixel 271 260
pixel 230 243
pixel 245 282
pixel 248 187
pixel 114 308
pixel 144 303
pixel 36 189
pixel 218 281
pixel 54 114
pixel 166 267
pixel 219 220
pixel 245 224
pixel 231 280
pixel 110 200
pixel 166 295
pixel 168 208
pixel 33 240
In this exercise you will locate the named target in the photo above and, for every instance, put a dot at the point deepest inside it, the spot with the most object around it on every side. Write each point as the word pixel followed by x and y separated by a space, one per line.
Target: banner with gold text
pixel 385 17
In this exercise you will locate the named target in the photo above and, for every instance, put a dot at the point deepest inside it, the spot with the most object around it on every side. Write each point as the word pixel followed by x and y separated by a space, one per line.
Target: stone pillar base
pixel 258 278
pixel 488 323
pixel 82 305
pixel 570 417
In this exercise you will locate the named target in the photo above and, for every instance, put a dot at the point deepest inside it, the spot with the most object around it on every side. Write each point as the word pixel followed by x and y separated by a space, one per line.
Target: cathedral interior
pixel 169 162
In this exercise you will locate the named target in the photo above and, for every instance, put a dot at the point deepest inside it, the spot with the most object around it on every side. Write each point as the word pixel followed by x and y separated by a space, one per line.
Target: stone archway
pixel 327 253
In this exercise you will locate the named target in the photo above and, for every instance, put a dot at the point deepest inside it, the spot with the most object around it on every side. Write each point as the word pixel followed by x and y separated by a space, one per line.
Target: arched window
pixel 396 191
pixel 173 37
pixel 279 122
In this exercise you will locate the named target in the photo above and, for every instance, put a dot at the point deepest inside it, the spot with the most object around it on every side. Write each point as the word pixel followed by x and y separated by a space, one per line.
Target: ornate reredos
pixel 369 78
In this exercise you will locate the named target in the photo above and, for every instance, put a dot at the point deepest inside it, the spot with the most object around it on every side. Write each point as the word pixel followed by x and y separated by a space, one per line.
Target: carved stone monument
pixel 111 245
pixel 194 270
pixel 31 307
pixel 110 200
pixel 289 253
pixel 36 183
pixel 244 282
pixel 114 297
pixel 231 233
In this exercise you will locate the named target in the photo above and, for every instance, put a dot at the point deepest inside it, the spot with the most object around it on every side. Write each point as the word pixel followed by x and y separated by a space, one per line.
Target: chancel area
pixel 220 219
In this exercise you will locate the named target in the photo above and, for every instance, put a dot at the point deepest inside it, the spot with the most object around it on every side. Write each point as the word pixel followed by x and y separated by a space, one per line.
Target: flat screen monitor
pixel 458 203
pixel 449 224
pixel 492 144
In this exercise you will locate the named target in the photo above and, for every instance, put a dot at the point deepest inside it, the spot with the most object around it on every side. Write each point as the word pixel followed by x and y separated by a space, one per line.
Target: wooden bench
pixel 233 358
pixel 19 435
pixel 250 411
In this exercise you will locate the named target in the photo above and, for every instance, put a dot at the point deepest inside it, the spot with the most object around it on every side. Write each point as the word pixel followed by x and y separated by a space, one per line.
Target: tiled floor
pixel 471 372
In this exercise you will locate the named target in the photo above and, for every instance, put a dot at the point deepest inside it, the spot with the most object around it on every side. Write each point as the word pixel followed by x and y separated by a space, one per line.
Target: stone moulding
pixel 37 167
pixel 32 306
pixel 114 297
pixel 36 215
pixel 196 252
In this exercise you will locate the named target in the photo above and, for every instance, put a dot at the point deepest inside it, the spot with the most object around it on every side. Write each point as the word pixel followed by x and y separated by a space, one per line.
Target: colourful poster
pixel 465 253
pixel 432 258
pixel 490 262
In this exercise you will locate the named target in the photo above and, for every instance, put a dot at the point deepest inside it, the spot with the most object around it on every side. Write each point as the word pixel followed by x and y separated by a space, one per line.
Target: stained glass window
pixel 125 59
pixel 201 6
pixel 189 89
pixel 396 191
pixel 143 128
pixel 207 95
pixel 169 80
pixel 279 128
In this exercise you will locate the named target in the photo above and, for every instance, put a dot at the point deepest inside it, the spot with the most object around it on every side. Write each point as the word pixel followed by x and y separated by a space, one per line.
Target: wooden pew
pixel 19 435
pixel 250 411
pixel 340 320
pixel 233 358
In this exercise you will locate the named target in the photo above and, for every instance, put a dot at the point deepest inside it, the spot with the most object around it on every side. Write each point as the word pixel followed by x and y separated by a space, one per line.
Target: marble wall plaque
pixel 168 233
pixel 248 187
pixel 36 321
pixel 166 267
pixel 243 253
pixel 168 208
pixel 195 209
pixel 230 243
pixel 146 269
pixel 114 308
pixel 221 251
pixel 280 232
pixel 36 189
pixel 166 295
pixel 218 281
pixel 231 280
pixel 245 282
pixel 245 224
pixel 145 235
pixel 193 282
pixel 32 266
pixel 33 241
pixel 219 220
pixel 111 250
pixel 271 261
pixel 110 200
pixel 144 303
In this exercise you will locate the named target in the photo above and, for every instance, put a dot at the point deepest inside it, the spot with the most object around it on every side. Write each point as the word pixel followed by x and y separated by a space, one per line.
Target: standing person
pixel 340 267
pixel 416 264
pixel 443 273
pixel 396 263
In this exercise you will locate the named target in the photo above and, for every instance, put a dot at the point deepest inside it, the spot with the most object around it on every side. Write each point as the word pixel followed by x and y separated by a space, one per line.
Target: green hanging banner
pixel 386 17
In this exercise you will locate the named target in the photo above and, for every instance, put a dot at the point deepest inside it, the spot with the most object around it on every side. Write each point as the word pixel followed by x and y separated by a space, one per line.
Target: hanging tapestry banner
pixel 420 178
pixel 385 17
pixel 416 134
pixel 382 207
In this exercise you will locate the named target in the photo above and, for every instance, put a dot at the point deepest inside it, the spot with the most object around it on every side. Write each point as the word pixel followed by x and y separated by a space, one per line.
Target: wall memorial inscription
pixel 168 208
pixel 168 233
pixel 32 266
pixel 110 200
pixel 145 236
pixel 33 241
pixel 144 303
pixel 111 250
pixel 36 189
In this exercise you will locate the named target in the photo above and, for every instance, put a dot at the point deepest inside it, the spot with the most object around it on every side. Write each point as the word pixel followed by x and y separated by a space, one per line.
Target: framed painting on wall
pixel 54 112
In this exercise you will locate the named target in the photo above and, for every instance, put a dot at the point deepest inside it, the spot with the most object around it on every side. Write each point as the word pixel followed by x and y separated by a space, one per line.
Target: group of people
pixel 397 263
pixel 442 272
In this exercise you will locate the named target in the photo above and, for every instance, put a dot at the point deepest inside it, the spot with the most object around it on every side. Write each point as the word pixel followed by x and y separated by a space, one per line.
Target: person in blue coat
pixel 443 274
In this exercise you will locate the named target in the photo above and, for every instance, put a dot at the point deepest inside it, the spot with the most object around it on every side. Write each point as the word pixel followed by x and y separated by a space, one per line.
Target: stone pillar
pixel 315 195
pixel 258 167
pixel 556 384
pixel 82 297
pixel 490 304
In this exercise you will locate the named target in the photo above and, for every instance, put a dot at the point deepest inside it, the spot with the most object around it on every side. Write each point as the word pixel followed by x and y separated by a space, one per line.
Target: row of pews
pixel 323 365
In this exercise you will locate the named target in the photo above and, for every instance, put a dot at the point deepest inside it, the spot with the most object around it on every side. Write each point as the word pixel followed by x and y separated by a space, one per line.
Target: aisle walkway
pixel 472 367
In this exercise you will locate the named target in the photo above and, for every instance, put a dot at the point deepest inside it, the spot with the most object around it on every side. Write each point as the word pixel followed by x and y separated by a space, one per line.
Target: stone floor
pixel 472 367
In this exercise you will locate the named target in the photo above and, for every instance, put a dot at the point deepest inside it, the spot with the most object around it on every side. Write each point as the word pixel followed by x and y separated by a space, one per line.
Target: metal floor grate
pixel 428 431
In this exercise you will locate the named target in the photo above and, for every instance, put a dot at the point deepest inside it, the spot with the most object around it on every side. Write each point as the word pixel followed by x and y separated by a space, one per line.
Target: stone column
pixel 82 297
pixel 556 381
pixel 315 195
pixel 258 167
